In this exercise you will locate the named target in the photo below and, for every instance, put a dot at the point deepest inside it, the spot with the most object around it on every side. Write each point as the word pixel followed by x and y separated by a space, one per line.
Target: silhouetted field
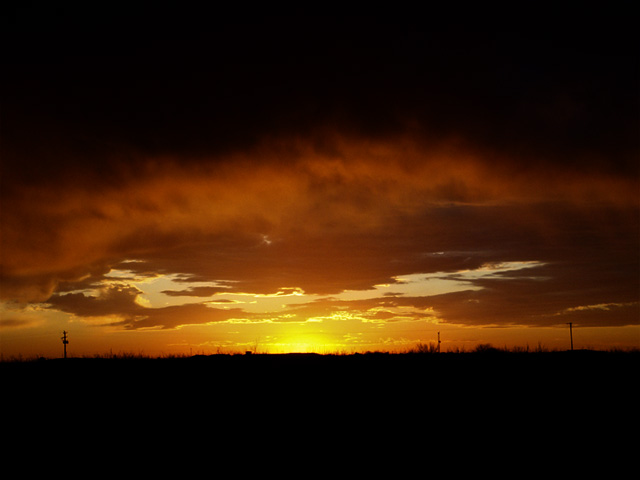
pixel 489 401
pixel 577 372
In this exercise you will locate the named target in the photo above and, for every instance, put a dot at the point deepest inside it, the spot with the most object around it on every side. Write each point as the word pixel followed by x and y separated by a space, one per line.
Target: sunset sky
pixel 211 182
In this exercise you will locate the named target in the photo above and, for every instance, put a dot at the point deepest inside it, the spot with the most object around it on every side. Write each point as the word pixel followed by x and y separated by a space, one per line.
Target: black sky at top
pixel 92 83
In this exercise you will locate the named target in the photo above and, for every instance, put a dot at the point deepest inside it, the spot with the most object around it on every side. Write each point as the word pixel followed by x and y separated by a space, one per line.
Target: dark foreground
pixel 536 410
pixel 579 375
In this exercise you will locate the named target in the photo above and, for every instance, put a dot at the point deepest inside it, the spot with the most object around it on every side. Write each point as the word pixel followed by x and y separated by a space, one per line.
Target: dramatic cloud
pixel 329 164
pixel 327 223
pixel 393 201
pixel 119 301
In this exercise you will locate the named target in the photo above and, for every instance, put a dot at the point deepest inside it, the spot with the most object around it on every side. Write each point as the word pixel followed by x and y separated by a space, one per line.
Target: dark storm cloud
pixel 114 300
pixel 323 155
pixel 586 257
pixel 551 294
pixel 119 301
pixel 548 93
pixel 540 295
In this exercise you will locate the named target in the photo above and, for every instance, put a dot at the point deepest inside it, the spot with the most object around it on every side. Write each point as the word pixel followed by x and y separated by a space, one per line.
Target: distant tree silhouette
pixel 485 348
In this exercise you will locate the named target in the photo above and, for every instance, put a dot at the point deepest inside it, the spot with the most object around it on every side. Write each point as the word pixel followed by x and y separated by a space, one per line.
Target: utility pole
pixel 65 342
pixel 571 333
pixel 438 342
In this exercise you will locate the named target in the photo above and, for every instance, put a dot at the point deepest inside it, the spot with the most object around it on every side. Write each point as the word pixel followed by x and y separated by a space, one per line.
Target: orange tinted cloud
pixel 344 217
pixel 118 301
pixel 322 166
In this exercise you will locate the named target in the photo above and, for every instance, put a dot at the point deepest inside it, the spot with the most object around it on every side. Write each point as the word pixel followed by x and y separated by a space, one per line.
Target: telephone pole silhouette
pixel 438 342
pixel 571 333
pixel 65 342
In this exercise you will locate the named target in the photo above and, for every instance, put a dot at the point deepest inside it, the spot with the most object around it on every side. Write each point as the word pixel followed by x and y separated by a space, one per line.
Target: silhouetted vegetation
pixel 414 381
pixel 418 349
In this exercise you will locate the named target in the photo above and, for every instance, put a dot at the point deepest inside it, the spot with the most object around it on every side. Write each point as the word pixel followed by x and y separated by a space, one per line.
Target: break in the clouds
pixel 324 167
pixel 360 218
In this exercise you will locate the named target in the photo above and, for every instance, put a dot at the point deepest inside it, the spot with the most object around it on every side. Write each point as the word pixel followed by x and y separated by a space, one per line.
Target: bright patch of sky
pixel 413 285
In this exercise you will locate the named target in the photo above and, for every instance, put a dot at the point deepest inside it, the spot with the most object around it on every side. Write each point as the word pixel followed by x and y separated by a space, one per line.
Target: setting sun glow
pixel 317 186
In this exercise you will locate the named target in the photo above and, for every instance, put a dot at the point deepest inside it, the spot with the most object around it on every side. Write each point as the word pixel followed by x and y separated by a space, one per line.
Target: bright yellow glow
pixel 299 342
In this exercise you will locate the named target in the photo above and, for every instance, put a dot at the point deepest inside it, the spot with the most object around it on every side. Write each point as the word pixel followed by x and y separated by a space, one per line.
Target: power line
pixel 65 342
